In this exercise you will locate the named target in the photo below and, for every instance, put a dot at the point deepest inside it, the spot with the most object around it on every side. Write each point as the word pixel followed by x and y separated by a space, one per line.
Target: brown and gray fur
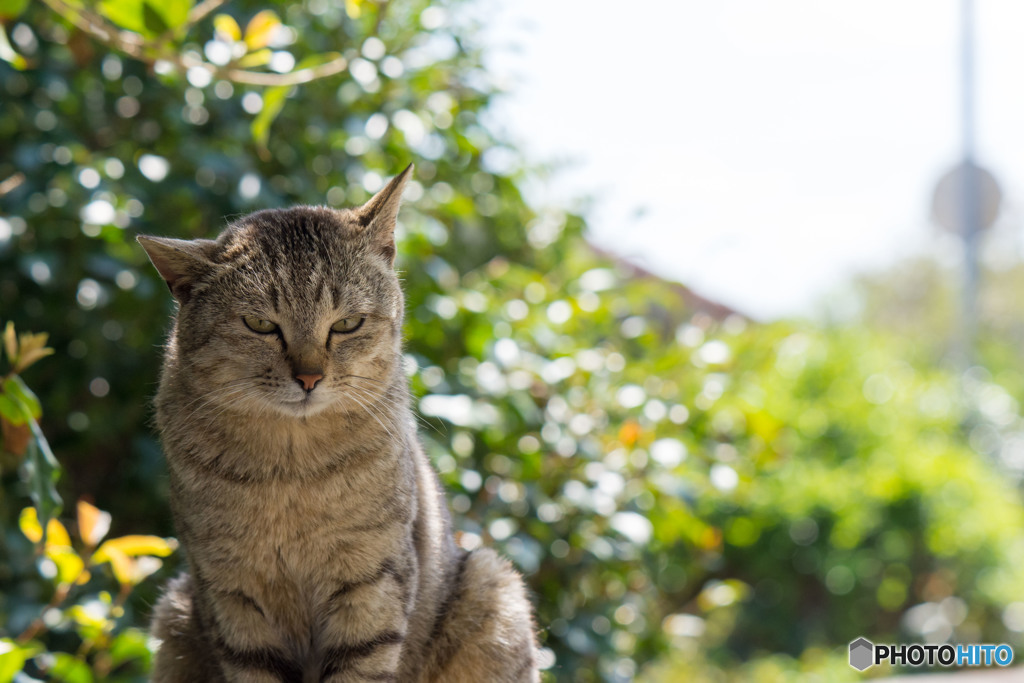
pixel 316 532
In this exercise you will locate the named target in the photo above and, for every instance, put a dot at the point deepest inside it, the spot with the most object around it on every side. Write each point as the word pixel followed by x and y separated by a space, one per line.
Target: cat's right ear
pixel 378 216
pixel 179 262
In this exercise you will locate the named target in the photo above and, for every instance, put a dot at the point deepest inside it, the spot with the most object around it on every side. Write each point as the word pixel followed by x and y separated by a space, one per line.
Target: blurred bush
pixel 680 487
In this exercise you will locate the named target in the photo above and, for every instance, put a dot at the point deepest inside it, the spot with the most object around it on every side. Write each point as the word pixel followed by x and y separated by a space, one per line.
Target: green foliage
pixel 106 649
pixel 719 500
pixel 21 439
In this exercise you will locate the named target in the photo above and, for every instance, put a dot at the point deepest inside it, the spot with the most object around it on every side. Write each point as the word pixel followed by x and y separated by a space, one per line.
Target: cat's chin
pixel 303 407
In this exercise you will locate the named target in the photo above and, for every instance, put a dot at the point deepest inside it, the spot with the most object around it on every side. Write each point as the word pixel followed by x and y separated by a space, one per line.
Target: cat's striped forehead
pixel 313 256
pixel 303 232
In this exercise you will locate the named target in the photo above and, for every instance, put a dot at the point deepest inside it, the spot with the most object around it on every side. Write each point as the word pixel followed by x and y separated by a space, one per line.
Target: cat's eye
pixel 347 325
pixel 259 324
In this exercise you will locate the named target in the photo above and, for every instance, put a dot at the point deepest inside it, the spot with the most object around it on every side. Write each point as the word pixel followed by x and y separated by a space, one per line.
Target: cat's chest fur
pixel 300 538
pixel 289 495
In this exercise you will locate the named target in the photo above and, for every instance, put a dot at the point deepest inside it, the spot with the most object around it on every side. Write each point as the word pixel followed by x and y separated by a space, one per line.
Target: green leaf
pixel 16 388
pixel 13 656
pixel 125 13
pixel 10 9
pixel 12 411
pixel 131 644
pixel 152 20
pixel 155 23
pixel 40 470
pixel 174 12
pixel 274 98
pixel 273 103
pixel 70 669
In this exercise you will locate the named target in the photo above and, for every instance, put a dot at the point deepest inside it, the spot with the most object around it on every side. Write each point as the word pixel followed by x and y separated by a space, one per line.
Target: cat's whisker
pixel 419 418
pixel 230 384
pixel 205 399
pixel 221 395
pixel 372 396
pixel 237 400
pixel 373 405
pixel 365 407
pixel 387 415
pixel 369 379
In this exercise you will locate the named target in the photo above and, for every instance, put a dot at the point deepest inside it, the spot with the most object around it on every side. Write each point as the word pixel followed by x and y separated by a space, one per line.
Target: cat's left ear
pixel 181 263
pixel 380 214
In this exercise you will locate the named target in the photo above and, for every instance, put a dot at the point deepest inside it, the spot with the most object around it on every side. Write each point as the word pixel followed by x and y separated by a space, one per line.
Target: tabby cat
pixel 318 540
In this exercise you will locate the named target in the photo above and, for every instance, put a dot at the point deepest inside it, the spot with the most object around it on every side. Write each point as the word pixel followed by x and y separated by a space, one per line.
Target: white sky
pixel 774 147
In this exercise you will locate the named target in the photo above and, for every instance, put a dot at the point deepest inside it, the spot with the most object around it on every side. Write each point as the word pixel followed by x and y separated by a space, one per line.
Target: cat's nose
pixel 308 381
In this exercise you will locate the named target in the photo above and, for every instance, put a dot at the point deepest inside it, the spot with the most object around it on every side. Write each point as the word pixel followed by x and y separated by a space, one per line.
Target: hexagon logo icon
pixel 862 653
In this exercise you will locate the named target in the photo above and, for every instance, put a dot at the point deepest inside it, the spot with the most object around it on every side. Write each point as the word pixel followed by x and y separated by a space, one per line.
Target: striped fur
pixel 317 536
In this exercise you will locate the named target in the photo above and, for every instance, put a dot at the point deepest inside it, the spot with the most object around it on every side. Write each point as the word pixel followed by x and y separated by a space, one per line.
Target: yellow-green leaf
pixel 28 522
pixel 32 356
pixel 354 8
pixel 130 571
pixel 16 388
pixel 257 58
pixel 69 565
pixel 134 545
pixel 151 19
pixel 125 13
pixel 13 656
pixel 120 564
pixel 10 342
pixel 30 341
pixel 227 28
pixel 93 523
pixel 12 412
pixel 90 618
pixel 260 29
pixel 56 535
pixel 145 566
pixel 10 9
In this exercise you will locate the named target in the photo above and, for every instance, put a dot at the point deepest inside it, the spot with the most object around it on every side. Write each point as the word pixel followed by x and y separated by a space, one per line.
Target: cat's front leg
pixel 249 648
pixel 216 636
pixel 364 627
pixel 484 632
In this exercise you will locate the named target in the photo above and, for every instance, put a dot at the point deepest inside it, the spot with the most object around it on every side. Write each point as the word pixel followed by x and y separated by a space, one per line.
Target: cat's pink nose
pixel 309 381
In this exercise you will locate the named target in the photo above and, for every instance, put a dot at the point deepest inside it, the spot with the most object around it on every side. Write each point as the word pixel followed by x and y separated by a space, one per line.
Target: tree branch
pixel 335 66
pixel 96 26
pixel 200 11
pixel 134 46
pixel 11 183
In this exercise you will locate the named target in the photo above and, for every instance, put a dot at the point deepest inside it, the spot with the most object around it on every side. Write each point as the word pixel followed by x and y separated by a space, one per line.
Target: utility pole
pixel 970 204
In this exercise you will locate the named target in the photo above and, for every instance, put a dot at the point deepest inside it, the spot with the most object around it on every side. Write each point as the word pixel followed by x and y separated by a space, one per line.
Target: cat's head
pixel 292 311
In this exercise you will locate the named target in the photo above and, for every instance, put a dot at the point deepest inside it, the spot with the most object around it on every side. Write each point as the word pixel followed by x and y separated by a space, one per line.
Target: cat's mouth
pixel 307 405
